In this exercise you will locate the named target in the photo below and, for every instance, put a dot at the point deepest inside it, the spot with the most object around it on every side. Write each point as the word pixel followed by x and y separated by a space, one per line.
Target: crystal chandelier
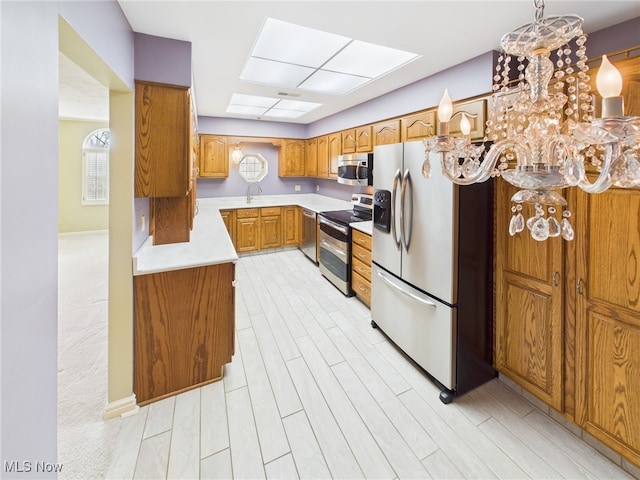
pixel 542 131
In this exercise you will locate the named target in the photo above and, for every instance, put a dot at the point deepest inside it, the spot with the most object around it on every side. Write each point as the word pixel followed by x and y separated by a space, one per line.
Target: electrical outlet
pixel 297 188
pixel 317 188
pixel 143 223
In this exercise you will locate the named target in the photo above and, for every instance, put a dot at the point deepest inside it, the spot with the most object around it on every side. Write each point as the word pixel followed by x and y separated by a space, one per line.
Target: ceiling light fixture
pixel 543 132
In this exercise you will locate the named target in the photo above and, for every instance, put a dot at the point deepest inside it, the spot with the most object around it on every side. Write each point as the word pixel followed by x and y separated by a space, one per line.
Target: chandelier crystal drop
pixel 541 130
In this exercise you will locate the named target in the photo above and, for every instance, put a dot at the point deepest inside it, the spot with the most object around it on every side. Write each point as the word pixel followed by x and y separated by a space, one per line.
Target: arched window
pixel 95 168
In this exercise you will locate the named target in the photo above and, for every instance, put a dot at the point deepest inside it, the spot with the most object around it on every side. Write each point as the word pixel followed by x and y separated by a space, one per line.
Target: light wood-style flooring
pixel 314 392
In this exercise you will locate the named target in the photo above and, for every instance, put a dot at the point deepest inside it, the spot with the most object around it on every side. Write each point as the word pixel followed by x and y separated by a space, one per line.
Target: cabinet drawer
pixel 361 254
pixel 361 269
pixel 270 211
pixel 362 239
pixel 362 288
pixel 247 213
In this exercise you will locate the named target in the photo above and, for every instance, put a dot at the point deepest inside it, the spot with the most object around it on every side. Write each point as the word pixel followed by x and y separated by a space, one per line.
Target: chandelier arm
pixel 483 171
pixel 603 182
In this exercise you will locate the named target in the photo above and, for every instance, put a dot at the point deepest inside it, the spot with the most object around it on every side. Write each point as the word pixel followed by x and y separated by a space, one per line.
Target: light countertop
pixel 210 243
pixel 364 227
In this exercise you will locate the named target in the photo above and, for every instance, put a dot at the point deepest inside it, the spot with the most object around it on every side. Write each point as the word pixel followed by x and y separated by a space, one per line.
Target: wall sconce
pixel 237 154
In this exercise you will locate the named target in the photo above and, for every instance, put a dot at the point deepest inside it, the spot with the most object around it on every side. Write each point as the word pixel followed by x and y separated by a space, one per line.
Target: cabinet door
pixel 323 156
pixel 271 232
pixel 608 318
pixel 335 150
pixel 385 133
pixel 171 219
pixel 183 329
pixel 163 140
pixel 349 141
pixel 291 226
pixel 247 234
pixel 311 158
pixel 418 126
pixel 529 321
pixel 364 139
pixel 214 156
pixel 229 219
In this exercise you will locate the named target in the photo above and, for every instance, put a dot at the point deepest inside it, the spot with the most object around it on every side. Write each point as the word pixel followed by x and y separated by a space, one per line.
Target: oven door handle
pixel 334 225
pixel 394 192
pixel 333 248
pixel 398 288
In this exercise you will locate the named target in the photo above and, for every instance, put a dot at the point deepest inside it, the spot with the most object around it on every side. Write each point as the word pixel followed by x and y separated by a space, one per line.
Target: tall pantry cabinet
pixel 567 314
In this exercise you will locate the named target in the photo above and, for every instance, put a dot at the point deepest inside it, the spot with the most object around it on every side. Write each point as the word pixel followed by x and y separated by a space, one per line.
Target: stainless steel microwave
pixel 356 169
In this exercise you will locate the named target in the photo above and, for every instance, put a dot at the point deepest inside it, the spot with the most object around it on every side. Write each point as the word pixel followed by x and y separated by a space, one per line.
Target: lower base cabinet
pixel 184 324
pixel 361 266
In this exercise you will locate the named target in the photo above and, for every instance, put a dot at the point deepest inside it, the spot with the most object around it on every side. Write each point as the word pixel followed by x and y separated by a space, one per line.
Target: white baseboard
pixel 125 407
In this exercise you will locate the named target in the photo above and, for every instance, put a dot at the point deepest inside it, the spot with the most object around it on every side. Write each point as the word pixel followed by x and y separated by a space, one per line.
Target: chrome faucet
pixel 249 194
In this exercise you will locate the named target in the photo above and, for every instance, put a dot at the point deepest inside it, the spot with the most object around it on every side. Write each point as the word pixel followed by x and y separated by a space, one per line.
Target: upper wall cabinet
pixel 334 142
pixel 364 139
pixel 311 158
pixel 163 140
pixel 476 112
pixel 291 161
pixel 418 126
pixel 214 156
pixel 386 132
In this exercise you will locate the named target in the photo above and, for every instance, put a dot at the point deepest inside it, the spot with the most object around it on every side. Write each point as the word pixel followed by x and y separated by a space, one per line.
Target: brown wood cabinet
pixel 323 156
pixel 229 219
pixel 361 266
pixel 162 140
pixel 183 329
pixel 214 156
pixel 386 132
pixel 270 227
pixel 529 296
pixel 247 229
pixel 291 161
pixel 364 139
pixel 607 318
pixel 349 140
pixel 334 142
pixel 311 158
pixel 418 126
pixel 291 224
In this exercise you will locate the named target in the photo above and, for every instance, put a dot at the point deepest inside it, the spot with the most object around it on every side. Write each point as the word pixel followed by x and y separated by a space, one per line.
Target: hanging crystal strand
pixel 516 225
pixel 567 229
pixel 554 226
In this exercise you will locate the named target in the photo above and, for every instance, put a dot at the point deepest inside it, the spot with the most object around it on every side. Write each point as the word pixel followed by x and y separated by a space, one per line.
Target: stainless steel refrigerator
pixel 432 272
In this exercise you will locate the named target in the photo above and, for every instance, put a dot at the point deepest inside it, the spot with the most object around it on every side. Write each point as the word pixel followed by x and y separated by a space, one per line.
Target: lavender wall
pixel 611 39
pixel 272 184
pixel 250 128
pixel 29 223
pixel 469 79
pixel 162 60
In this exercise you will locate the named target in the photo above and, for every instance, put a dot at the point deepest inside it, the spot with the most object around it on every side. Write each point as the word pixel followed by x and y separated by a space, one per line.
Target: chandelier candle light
pixel 542 139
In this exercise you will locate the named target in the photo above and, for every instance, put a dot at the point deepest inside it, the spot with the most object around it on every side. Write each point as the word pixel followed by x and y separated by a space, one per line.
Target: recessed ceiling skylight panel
pixel 290 43
pixel 368 60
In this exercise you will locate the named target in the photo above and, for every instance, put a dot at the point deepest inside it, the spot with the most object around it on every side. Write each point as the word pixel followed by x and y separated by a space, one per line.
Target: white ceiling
pixel 445 33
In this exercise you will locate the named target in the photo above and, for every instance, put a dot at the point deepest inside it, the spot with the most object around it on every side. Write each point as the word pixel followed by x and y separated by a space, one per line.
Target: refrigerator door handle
pixel 407 181
pixel 394 192
pixel 392 284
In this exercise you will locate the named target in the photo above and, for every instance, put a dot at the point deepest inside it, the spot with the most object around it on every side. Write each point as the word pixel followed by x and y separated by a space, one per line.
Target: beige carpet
pixel 85 440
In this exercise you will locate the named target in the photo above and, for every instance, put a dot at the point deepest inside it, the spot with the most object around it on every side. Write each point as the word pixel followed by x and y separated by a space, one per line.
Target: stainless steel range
pixel 335 240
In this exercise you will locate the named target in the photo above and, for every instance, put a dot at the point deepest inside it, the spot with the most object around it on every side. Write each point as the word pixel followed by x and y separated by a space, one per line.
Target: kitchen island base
pixel 184 324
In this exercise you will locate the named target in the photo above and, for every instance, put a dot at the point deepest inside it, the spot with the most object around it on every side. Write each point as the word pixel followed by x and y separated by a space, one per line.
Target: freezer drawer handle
pixel 403 291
